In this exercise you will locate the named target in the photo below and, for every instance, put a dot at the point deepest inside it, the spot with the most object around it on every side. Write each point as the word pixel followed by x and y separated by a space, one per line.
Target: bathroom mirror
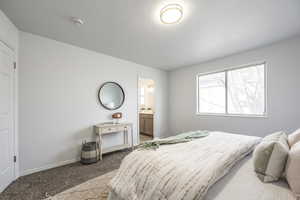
pixel 111 95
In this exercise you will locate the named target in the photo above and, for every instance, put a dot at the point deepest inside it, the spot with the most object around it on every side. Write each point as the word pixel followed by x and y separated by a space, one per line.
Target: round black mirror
pixel 111 95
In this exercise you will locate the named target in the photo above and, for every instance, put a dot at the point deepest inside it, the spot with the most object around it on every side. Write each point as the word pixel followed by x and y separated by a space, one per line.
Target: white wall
pixel 58 99
pixel 283 72
pixel 8 32
pixel 9 36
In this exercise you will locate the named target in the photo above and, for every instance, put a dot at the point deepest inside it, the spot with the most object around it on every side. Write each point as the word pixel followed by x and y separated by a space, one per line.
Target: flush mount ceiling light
pixel 171 14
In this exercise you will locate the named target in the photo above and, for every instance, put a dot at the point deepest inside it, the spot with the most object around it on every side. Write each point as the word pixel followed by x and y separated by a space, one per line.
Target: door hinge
pixel 15 158
pixel 15 65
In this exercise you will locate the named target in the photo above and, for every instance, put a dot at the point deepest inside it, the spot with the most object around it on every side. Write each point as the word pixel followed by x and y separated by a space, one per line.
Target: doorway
pixel 146 109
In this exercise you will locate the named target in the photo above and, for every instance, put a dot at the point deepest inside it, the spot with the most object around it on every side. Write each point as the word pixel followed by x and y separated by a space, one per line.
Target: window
pixel 238 91
pixel 212 93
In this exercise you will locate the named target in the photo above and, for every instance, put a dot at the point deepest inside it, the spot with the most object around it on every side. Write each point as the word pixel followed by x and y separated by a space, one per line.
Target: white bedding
pixel 181 171
pixel 241 183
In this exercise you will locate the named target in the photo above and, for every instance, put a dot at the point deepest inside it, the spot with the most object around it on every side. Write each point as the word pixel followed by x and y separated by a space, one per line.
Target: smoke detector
pixel 77 21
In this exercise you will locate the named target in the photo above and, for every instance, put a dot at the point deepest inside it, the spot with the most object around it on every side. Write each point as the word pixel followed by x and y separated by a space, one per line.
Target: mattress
pixel 241 183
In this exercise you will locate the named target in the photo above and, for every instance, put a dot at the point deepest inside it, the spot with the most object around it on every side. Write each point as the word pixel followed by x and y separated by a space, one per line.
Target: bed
pixel 227 163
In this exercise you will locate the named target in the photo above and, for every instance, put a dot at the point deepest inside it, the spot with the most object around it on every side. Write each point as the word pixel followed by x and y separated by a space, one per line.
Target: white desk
pixel 110 128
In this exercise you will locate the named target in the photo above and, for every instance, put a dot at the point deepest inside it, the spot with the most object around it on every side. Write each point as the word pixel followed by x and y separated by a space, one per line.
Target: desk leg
pixel 125 136
pixel 132 145
pixel 100 145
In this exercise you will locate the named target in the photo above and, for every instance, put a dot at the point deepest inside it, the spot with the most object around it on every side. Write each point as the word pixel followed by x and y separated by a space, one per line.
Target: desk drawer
pixel 109 130
pixel 112 129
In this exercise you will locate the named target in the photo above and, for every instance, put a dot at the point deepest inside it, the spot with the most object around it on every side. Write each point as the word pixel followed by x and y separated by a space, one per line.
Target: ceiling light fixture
pixel 171 14
pixel 77 21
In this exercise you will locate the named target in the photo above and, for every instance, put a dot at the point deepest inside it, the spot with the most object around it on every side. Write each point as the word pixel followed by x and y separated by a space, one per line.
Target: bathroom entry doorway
pixel 146 109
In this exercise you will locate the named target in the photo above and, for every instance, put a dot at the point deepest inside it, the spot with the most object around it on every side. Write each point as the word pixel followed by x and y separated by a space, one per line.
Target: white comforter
pixel 181 171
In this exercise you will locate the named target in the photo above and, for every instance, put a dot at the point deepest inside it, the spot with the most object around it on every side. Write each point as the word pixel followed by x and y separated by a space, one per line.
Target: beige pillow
pixel 294 137
pixel 270 157
pixel 293 169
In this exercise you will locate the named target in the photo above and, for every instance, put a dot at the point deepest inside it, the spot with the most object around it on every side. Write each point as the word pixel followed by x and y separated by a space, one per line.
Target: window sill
pixel 232 115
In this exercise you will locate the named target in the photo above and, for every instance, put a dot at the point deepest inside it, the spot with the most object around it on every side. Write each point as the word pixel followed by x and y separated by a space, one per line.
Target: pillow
pixel 294 137
pixel 293 169
pixel 270 157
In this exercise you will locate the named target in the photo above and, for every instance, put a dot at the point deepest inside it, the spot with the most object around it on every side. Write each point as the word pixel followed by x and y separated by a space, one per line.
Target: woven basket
pixel 89 153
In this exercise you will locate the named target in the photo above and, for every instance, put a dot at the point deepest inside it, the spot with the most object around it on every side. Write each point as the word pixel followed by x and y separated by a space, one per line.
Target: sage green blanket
pixel 183 137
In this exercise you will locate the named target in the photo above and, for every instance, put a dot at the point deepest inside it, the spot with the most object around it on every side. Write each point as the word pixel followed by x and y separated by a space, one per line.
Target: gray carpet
pixel 50 182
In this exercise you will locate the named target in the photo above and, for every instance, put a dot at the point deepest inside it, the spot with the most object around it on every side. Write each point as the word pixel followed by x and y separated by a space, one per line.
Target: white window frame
pixel 226 70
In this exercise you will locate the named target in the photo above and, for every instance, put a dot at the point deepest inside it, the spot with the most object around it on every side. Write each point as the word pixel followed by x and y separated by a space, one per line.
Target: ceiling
pixel 131 30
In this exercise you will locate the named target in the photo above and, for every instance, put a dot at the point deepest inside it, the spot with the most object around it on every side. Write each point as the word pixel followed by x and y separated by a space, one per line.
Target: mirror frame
pixel 121 91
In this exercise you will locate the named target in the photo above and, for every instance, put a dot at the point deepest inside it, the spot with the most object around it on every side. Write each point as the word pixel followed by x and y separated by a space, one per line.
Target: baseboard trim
pixel 49 166
pixel 3 188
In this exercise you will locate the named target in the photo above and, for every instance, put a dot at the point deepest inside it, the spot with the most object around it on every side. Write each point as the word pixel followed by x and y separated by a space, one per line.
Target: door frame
pixel 15 107
pixel 139 77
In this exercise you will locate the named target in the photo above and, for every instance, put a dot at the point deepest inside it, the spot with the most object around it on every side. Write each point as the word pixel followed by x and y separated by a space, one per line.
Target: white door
pixel 6 117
